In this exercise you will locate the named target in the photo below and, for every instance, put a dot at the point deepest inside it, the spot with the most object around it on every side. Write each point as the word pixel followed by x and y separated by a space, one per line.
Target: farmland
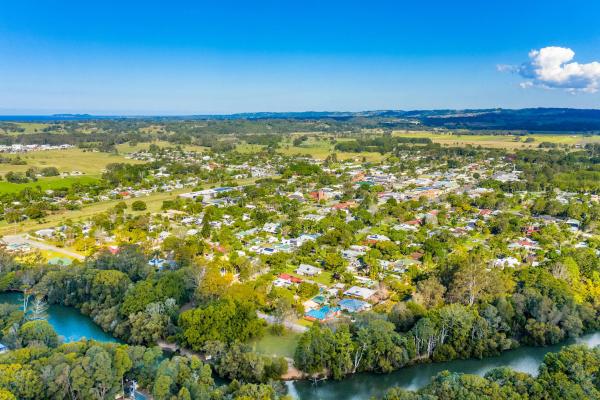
pixel 25 128
pixel 317 146
pixel 508 141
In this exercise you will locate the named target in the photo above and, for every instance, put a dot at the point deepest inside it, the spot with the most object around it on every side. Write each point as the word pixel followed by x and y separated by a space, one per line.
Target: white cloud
pixel 553 67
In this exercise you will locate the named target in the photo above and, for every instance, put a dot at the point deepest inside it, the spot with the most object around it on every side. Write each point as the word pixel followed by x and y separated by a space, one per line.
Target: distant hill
pixel 530 119
pixel 527 119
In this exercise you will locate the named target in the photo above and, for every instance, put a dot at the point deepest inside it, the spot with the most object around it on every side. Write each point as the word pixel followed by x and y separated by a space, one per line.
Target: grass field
pixel 30 127
pixel 316 148
pixel 246 148
pixel 499 141
pixel 126 148
pixel 49 255
pixel 273 345
pixel 566 139
pixel 47 183
pixel 88 162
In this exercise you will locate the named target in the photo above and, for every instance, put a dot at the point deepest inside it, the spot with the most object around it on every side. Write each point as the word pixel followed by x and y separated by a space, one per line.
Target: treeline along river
pixel 72 326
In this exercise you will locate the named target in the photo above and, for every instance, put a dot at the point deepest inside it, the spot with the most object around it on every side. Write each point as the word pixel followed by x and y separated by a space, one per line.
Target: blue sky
pixel 159 57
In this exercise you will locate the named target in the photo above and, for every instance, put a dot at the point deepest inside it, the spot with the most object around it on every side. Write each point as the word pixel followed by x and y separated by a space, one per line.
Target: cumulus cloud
pixel 553 67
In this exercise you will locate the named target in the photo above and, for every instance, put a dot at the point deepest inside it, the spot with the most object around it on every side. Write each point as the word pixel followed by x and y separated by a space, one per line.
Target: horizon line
pixel 183 115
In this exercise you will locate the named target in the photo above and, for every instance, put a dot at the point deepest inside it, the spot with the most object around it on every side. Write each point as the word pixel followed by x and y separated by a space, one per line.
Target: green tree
pixel 38 332
pixel 138 205
pixel 225 320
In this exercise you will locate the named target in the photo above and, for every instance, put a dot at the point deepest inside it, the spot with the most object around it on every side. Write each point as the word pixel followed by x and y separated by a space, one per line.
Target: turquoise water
pixel 363 386
pixel 68 322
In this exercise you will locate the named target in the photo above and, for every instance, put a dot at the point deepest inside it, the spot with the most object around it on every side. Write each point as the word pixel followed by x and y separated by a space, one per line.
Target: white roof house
pixel 511 262
pixel 279 282
pixel 271 227
pixel 361 292
pixel 308 270
pixel 45 233
pixel 378 237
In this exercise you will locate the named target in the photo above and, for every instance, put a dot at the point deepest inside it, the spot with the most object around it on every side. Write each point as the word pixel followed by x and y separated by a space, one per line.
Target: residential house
pixel 298 196
pixel 345 205
pixel 360 292
pixel 308 270
pixel 354 305
pixel 526 243
pixel 503 262
pixel 318 195
pixel 45 233
pixel 377 238
pixel 271 227
pixel 284 280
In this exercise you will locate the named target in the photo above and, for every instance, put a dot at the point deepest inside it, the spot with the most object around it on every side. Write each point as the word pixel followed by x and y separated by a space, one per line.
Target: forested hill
pixel 527 119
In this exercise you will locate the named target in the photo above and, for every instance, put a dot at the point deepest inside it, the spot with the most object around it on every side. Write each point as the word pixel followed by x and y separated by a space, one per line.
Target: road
pixel 293 326
pixel 23 238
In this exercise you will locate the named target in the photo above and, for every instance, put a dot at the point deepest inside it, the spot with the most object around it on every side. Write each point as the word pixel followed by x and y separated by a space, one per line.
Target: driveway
pixel 40 245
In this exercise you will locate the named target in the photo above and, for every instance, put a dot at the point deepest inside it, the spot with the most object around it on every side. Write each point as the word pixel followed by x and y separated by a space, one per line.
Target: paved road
pixel 288 324
pixel 40 245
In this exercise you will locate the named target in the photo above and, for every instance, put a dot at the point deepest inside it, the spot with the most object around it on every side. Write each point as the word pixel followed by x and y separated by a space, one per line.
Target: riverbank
pixel 293 373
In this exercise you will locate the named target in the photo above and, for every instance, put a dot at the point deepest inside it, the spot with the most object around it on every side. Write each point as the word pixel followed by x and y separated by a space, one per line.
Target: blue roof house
pixel 354 305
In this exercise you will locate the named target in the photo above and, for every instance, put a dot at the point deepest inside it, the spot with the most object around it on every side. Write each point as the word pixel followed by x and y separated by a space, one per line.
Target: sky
pixel 217 57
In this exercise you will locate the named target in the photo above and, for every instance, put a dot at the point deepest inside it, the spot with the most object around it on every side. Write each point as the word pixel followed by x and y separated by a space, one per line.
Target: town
pixel 318 254
pixel 296 200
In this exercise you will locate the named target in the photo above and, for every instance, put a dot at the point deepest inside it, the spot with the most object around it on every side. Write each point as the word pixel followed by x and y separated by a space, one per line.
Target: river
pixel 68 322
pixel 364 385
pixel 72 325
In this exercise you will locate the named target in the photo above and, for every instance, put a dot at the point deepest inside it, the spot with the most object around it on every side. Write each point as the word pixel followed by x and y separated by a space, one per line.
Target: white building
pixel 360 292
pixel 308 270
